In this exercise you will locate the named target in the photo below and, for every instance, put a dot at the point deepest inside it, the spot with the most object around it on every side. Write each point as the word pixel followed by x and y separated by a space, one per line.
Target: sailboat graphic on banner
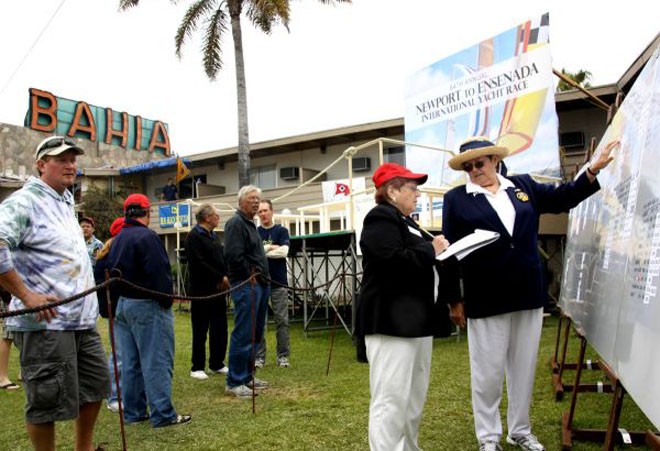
pixel 522 114
pixel 502 88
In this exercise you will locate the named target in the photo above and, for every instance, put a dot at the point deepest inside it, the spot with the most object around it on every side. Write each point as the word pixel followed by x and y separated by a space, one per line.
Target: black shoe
pixel 140 420
pixel 180 419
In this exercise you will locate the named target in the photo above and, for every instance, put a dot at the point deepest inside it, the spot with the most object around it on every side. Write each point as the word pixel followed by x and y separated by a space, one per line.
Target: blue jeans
pixel 247 321
pixel 111 367
pixel 146 338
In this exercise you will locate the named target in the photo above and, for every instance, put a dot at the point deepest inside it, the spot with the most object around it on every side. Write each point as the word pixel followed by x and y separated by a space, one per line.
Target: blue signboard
pixel 170 214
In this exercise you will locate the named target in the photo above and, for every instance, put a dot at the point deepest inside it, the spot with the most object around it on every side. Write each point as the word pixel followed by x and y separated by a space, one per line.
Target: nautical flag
pixel 522 115
pixel 181 170
pixel 342 189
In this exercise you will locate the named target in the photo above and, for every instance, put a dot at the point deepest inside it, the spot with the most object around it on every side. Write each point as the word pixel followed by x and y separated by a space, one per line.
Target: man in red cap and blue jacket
pixel 144 324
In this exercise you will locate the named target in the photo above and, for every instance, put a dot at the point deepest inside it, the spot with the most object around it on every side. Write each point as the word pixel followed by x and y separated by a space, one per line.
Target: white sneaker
pixel 259 384
pixel 240 391
pixel 283 362
pixel 113 406
pixel 259 363
pixel 527 442
pixel 223 370
pixel 489 445
pixel 200 375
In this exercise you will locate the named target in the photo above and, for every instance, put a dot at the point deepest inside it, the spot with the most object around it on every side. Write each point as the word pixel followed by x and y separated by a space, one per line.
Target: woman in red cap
pixel 396 312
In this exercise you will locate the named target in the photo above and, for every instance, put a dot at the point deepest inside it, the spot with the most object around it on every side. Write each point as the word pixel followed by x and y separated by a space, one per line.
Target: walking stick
pixel 332 342
pixel 114 362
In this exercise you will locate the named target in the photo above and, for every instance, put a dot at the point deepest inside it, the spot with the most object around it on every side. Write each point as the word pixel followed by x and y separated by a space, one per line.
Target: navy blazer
pixel 397 293
pixel 505 276
pixel 206 261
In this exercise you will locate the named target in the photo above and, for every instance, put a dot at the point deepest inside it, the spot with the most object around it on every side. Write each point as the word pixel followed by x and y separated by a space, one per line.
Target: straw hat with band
pixel 474 148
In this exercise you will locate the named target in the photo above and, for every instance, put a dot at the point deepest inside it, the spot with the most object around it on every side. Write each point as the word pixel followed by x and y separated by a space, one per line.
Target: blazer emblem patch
pixel 522 196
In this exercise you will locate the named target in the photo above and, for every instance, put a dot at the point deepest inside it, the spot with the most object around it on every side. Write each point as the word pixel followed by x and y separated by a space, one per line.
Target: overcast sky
pixel 338 66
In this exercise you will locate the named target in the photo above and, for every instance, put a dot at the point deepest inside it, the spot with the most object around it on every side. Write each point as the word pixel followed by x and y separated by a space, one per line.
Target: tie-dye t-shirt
pixel 49 254
pixel 93 246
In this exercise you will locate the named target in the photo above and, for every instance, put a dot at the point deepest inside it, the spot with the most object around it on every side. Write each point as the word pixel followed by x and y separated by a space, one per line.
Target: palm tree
pixel 580 77
pixel 216 14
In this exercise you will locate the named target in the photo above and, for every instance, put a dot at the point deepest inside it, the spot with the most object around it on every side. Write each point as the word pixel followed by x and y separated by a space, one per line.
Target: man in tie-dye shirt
pixel 43 258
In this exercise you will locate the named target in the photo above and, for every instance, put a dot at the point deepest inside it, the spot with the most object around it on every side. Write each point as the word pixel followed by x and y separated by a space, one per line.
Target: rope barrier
pixel 157 294
pixel 50 305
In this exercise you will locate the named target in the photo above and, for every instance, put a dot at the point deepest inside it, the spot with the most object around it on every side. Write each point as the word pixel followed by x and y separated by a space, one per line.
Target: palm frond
pixel 264 14
pixel 188 25
pixel 216 27
pixel 126 4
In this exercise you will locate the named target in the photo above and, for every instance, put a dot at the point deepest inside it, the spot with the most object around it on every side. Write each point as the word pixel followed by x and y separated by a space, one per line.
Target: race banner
pixel 502 89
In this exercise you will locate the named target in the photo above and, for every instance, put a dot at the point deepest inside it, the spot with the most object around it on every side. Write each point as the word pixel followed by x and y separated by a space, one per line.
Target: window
pixel 186 186
pixel 572 142
pixel 263 176
pixel 395 154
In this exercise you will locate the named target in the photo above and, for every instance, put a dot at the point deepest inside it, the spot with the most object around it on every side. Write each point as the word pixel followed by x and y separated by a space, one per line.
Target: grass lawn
pixel 306 410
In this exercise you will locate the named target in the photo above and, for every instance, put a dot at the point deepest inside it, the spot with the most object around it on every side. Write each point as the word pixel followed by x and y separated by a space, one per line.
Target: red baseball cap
pixel 137 199
pixel 116 226
pixel 388 171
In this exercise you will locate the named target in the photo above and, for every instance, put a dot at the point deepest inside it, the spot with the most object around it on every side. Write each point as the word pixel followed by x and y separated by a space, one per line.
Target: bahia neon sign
pixel 51 114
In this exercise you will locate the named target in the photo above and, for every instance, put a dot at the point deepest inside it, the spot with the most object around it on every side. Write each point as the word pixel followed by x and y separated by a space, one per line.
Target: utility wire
pixel 11 77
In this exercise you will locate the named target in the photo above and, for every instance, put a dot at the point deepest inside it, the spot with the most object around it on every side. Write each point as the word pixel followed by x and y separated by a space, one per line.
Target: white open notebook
pixel 467 244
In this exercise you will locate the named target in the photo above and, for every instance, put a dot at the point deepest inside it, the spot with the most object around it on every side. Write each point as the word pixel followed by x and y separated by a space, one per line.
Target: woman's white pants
pixel 503 345
pixel 399 371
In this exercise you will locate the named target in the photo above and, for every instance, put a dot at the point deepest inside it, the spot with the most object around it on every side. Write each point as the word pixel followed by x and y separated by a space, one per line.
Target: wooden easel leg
pixel 606 436
pixel 567 419
pixel 554 363
pixel 615 415
pixel 558 368
pixel 653 441
pixel 557 378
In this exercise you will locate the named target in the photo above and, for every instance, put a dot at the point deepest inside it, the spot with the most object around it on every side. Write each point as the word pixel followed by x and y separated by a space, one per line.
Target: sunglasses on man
pixel 467 167
pixel 53 143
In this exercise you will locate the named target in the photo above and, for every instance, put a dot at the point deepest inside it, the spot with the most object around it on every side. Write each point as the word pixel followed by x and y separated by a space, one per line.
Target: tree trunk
pixel 241 95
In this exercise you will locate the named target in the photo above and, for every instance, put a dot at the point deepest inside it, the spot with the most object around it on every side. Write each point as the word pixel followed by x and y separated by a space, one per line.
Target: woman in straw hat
pixel 504 295
pixel 396 312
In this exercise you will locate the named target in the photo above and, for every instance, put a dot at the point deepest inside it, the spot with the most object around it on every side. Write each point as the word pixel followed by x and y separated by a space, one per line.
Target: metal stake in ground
pixel 111 327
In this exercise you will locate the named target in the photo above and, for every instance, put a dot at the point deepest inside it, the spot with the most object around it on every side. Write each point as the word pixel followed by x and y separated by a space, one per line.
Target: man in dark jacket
pixel 208 275
pixel 245 257
pixel 145 326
